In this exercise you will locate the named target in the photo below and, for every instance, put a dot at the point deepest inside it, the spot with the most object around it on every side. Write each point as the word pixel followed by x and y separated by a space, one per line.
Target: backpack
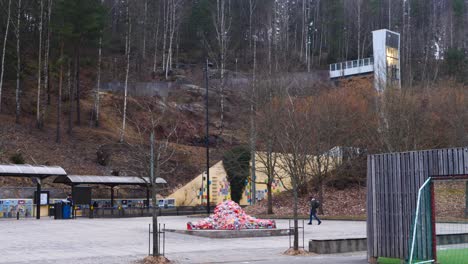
pixel 316 204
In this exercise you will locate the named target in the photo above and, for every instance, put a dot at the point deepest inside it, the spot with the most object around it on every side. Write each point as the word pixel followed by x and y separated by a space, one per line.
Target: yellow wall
pixel 190 194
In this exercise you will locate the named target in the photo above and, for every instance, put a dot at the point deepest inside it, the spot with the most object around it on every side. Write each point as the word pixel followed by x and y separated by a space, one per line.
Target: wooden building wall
pixel 393 181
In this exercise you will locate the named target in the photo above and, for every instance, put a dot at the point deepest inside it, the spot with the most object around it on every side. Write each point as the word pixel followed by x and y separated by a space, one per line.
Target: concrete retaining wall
pixel 233 233
pixel 331 246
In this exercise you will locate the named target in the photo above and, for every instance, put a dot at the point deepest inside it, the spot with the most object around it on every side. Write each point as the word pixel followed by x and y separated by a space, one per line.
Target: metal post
pixel 433 220
pixel 253 176
pixel 207 142
pixel 147 197
pixel 112 199
pixel 38 199
pixel 466 200
pixel 164 239
pixel 149 239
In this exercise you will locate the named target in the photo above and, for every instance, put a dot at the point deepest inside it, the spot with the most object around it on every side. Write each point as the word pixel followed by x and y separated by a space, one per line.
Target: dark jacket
pixel 314 204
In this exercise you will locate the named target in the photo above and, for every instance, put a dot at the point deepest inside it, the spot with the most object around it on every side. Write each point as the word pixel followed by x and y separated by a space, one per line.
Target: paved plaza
pixel 126 241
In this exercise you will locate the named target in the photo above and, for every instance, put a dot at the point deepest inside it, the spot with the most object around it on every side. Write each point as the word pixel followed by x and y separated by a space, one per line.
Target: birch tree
pixel 46 98
pixel 3 51
pixel 58 138
pixel 39 76
pixel 156 41
pixel 18 63
pixel 165 30
pixel 98 86
pixel 222 25
pixel 127 53
pixel 145 11
pixel 70 99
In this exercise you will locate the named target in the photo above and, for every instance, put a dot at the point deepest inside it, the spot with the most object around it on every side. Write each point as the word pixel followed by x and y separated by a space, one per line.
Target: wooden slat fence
pixel 393 181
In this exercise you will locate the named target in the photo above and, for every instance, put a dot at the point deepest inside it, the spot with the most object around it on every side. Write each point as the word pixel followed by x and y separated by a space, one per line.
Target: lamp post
pixel 207 143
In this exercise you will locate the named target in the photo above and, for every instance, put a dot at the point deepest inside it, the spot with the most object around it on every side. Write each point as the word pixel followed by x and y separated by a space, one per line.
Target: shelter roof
pixel 106 180
pixel 25 170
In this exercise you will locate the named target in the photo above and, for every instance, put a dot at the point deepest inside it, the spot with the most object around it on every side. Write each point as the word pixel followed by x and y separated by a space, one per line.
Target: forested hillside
pixel 83 84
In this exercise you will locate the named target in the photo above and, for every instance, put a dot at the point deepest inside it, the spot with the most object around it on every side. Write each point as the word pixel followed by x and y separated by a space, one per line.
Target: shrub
pixel 17 158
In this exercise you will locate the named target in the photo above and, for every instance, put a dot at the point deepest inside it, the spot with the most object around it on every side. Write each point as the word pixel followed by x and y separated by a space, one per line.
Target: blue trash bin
pixel 66 211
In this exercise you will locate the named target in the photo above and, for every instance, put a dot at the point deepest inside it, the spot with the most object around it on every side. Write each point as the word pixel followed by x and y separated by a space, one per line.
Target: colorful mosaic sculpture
pixel 229 215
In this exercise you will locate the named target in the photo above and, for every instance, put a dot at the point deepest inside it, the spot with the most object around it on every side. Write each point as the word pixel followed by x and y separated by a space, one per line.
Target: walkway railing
pixel 352 67
pixel 140 212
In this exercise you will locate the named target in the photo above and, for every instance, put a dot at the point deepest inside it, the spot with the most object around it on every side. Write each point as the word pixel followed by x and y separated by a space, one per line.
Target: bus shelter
pixel 110 181
pixel 36 173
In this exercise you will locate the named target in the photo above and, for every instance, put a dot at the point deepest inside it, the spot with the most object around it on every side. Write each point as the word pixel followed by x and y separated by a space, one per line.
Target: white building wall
pixel 380 62
pixel 381 78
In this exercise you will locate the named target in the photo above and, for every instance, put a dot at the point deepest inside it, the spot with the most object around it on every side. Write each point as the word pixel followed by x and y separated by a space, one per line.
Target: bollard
pixel 17 215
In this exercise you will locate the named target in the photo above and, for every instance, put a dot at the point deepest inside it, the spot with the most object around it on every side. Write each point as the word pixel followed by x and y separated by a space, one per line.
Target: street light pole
pixel 207 143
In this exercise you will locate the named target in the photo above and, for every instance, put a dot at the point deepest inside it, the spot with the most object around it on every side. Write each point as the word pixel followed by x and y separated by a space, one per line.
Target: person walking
pixel 314 204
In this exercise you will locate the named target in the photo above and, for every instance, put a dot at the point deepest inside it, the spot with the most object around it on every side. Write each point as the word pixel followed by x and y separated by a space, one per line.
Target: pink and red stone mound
pixel 229 215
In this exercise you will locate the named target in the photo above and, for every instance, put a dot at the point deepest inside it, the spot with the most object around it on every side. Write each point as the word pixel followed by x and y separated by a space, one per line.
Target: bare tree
pixel 145 11
pixel 3 52
pixel 97 98
pixel 172 6
pixel 294 143
pixel 154 161
pixel 59 95
pixel 222 25
pixel 268 130
pixel 46 63
pixel 156 41
pixel 127 52
pixel 165 31
pixel 39 76
pixel 18 63
pixel 70 99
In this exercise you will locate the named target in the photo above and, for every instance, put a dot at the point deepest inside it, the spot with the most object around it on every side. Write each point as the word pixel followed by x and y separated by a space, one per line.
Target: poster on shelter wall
pixel 44 198
pixel 10 207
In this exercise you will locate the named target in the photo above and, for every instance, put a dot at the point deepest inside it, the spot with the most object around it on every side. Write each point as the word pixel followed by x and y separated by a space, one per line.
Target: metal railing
pixel 351 64
pixel 140 212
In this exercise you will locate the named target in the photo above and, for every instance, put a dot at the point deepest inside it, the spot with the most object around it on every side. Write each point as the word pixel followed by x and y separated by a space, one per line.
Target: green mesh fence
pixel 420 244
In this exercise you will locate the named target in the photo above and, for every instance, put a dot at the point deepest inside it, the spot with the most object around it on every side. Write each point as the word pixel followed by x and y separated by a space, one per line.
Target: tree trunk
pixel 165 26
pixel 270 198
pixel 155 61
pixel 46 63
pixel 171 37
pixel 98 85
pixel 155 220
pixel 59 96
pixel 70 100
pixel 359 55
pixel 321 195
pixel 127 49
pixel 18 64
pixel 271 175
pixel 39 76
pixel 3 52
pixel 143 51
pixel 77 83
pixel 296 227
